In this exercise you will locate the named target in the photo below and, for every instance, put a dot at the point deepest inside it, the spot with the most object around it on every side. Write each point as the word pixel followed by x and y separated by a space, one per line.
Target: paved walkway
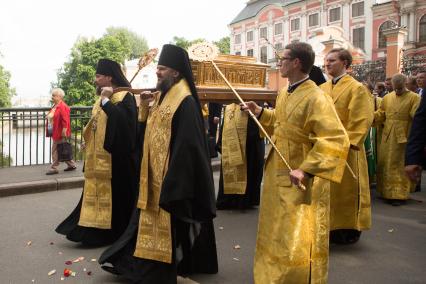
pixel 33 179
pixel 392 252
pixel 36 173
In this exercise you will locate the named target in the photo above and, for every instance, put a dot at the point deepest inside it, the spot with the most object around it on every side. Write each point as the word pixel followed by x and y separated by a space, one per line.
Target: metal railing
pixel 411 65
pixel 23 138
pixel 370 71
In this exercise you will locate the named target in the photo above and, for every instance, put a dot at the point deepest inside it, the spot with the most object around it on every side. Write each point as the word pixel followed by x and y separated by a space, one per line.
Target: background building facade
pixel 358 24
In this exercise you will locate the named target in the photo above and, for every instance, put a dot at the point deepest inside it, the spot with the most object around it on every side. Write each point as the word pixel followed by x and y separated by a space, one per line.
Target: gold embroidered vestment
pixel 234 162
pixel 292 237
pixel 396 112
pixel 350 206
pixel 154 240
pixel 96 208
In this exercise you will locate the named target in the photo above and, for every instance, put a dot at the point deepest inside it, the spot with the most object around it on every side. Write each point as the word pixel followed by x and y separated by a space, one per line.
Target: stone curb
pixel 69 183
pixel 38 186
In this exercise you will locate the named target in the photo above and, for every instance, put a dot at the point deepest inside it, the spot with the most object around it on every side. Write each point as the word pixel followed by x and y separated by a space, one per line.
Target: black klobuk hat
pixel 111 68
pixel 177 58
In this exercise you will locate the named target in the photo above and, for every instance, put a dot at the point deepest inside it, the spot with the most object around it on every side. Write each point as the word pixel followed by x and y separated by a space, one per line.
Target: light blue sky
pixel 36 36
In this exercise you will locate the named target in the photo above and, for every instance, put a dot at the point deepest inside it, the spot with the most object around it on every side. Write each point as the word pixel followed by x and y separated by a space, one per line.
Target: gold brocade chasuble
pixel 154 240
pixel 397 113
pixel 292 237
pixel 234 162
pixel 96 208
pixel 350 206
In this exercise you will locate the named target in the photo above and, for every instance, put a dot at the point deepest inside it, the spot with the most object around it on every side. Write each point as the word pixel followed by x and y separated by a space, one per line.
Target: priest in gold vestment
pixel 350 209
pixel 396 112
pixel 171 230
pixel 110 166
pixel 293 230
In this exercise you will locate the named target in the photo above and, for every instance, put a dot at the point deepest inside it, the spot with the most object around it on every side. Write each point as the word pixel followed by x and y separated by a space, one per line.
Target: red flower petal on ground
pixel 67 272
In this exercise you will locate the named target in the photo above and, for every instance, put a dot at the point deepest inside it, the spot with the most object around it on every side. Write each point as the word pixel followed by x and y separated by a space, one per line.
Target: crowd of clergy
pixel 149 189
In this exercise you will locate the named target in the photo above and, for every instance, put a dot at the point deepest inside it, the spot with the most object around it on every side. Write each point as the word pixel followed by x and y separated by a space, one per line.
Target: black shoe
pixel 418 188
pixel 70 169
pixel 345 236
pixel 110 269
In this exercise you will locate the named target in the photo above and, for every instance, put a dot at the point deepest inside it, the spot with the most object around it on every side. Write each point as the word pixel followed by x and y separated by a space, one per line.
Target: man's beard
pixel 165 85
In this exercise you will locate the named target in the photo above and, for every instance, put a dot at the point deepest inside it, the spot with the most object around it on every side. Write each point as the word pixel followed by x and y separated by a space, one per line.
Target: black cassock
pixel 188 195
pixel 414 153
pixel 120 142
pixel 255 155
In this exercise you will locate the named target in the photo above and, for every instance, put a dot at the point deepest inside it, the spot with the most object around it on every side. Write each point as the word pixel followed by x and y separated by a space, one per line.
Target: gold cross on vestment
pixel 231 115
pixel 165 112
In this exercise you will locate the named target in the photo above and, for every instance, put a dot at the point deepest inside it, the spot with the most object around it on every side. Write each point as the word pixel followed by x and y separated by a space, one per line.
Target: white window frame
pixel 260 54
pixel 340 15
pixel 291 25
pixel 318 19
pixel 355 28
pixel 275 28
pixel 247 36
pixel 352 8
pixel 278 46
pixel 237 36
pixel 260 32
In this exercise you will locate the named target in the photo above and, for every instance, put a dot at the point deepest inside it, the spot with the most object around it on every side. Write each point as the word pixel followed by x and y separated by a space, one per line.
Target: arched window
pixel 385 26
pixel 422 29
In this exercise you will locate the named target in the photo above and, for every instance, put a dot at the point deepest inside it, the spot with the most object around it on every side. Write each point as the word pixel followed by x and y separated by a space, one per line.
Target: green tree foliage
pixel 224 45
pixel 184 43
pixel 5 160
pixel 77 75
pixel 6 92
pixel 133 43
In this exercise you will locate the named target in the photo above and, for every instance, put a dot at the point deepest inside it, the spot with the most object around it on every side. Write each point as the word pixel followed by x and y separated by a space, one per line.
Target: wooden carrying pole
pixel 300 185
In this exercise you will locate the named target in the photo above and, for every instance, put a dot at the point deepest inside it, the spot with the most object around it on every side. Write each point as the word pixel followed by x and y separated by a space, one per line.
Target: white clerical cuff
pixel 104 101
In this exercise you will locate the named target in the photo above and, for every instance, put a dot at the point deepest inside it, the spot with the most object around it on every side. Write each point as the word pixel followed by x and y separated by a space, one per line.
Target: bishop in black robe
pixel 120 142
pixel 187 194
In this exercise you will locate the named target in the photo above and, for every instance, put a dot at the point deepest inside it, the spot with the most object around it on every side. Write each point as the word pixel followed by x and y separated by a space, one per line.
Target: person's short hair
pixel 343 55
pixel 398 79
pixel 380 85
pixel 58 91
pixel 304 52
pixel 412 80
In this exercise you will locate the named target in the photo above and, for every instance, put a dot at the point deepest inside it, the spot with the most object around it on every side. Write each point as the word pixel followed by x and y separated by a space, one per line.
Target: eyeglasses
pixel 286 58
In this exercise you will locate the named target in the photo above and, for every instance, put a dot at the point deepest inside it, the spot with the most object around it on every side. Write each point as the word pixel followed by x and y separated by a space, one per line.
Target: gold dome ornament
pixel 203 51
